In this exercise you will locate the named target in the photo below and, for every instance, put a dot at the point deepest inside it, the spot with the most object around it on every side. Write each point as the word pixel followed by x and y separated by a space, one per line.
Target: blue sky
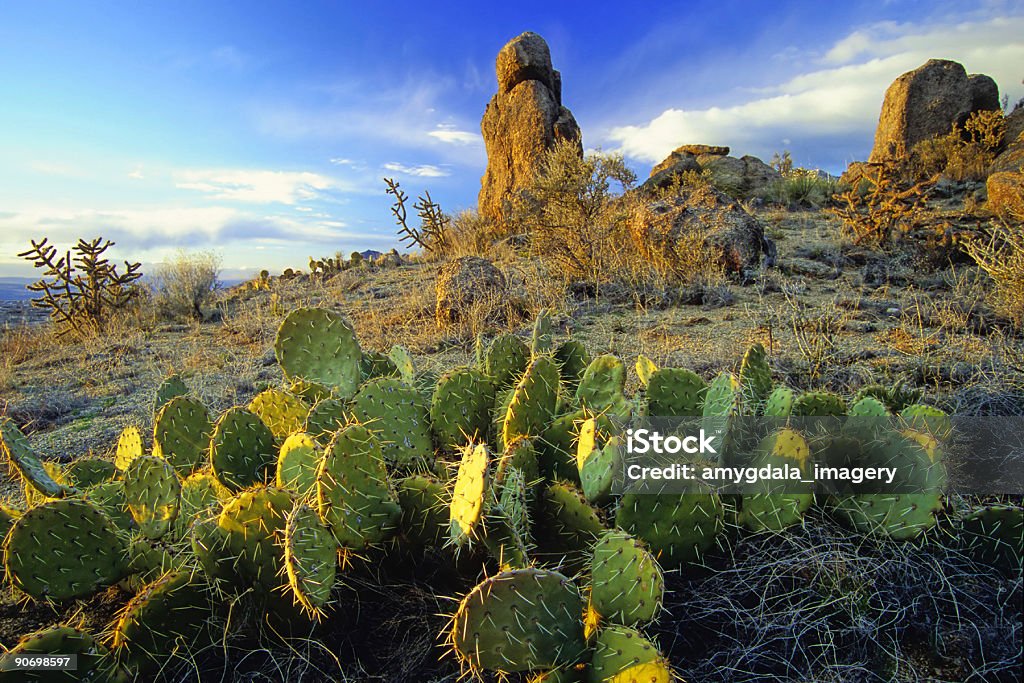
pixel 261 130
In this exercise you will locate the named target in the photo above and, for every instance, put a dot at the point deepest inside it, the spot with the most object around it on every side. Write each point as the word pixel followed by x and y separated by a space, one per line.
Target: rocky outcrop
pixel 1011 158
pixel 742 177
pixel 927 102
pixel 469 285
pixel 523 120
pixel 1005 191
pixel 669 230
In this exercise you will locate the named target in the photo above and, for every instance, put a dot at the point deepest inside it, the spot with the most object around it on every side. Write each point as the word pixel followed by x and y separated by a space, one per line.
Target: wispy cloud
pixel 421 171
pixel 840 99
pixel 261 186
pixel 446 132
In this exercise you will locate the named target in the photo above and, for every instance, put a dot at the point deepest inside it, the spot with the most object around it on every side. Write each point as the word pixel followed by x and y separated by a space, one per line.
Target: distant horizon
pixel 262 134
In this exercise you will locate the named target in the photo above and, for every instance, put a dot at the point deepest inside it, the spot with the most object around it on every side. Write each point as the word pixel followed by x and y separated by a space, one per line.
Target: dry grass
pixel 1002 258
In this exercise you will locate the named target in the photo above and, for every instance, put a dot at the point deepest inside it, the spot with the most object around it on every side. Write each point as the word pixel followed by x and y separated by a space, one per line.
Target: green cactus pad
pixel 354 496
pixel 20 454
pixel 780 402
pixel 602 385
pixel 171 387
pixel 181 434
pixel 756 375
pixel 532 402
pixel 573 359
pixel 425 510
pixel 678 528
pixel 91 663
pixel 645 367
pixel 326 417
pixel 519 620
pixel 508 523
pixel 8 516
pixel 460 411
pixel 624 655
pixel 201 495
pixel 868 406
pixel 109 499
pixel 147 562
pixel 319 345
pixel 153 493
pixel 928 419
pixel 723 396
pixel 598 458
pixel 281 411
pixel 129 447
pixel 521 455
pixel 626 583
pixel 376 364
pixel 242 450
pixel 166 617
pixel 209 544
pixel 253 522
pixel 89 471
pixel 556 448
pixel 506 360
pixel 770 508
pixel 567 525
pixel 298 462
pixel 469 498
pixel 310 558
pixel 63 549
pixel 310 392
pixel 994 534
pixel 402 360
pixel 543 333
pixel 675 392
pixel 819 404
pixel 396 413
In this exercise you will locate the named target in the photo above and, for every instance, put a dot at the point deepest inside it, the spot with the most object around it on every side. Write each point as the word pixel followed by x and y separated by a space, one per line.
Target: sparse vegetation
pixel 965 153
pixel 432 235
pixel 1001 256
pixel 82 291
pixel 881 205
pixel 188 282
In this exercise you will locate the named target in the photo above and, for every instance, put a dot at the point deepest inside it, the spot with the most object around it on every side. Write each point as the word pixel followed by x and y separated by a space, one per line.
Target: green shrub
pixel 185 284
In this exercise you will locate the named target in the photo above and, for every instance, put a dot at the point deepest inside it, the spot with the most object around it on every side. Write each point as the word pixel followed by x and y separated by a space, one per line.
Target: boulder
pixel 739 177
pixel 469 284
pixel 1014 126
pixel 1011 158
pixel 522 122
pixel 927 102
pixel 666 230
pixel 1006 195
pixel 698 150
pixel 674 165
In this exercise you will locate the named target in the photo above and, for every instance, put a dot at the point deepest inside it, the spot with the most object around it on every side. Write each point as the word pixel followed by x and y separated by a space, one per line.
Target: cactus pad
pixel 506 359
pixel 395 412
pixel 624 655
pixel 28 464
pixel 756 375
pixel 58 640
pixel 572 358
pixel 469 495
pixel 89 471
pixel 253 522
pixel 181 433
pixel 319 345
pixel 153 493
pixel 172 387
pixel 63 549
pixel 460 410
pixel 310 558
pixel 533 401
pixel 679 528
pixel 626 583
pixel 129 447
pixel 242 450
pixel 425 514
pixel 282 412
pixel 298 462
pixel 675 392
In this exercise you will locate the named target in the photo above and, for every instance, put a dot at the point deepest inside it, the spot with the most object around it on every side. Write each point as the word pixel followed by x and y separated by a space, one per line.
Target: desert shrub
pixel 801 187
pixel 569 212
pixel 1001 256
pixel 432 235
pixel 81 289
pixel 881 205
pixel 185 284
pixel 471 234
pixel 965 153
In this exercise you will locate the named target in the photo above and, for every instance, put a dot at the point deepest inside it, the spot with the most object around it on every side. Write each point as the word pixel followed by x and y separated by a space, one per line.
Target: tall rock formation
pixel 522 121
pixel 926 102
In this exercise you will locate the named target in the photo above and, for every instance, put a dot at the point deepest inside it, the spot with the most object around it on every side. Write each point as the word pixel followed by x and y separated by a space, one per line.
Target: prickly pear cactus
pixel 310 558
pixel 567 525
pixel 91 662
pixel 376 364
pixel 319 345
pixel 201 495
pixel 779 402
pixel 626 583
pixel 756 375
pixel 675 392
pixel 27 463
pixel 89 471
pixel 532 402
pixel 994 534
pixel 129 447
pixel 402 360
pixel 573 359
pixel 507 524
pixel 396 413
pixel 543 333
pixel 928 419
pixel 777 506
pixel 181 434
pixel 602 386
pixel 253 526
pixel 282 412
pixel 152 491
pixel 425 514
pixel 598 458
pixel 298 462
pixel 623 655
pixel 679 528
pixel 109 499
pixel 63 549
pixel 326 417
pixel 353 494
pixel 519 620
pixel 819 404
pixel 242 450
pixel 506 360
pixel 460 411
pixel 469 499
pixel 166 616
pixel 521 454
pixel 172 387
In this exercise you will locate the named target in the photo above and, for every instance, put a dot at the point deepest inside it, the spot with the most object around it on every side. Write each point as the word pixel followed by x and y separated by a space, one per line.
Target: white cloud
pixel 451 135
pixel 259 186
pixel 841 98
pixel 136 173
pixel 341 161
pixel 421 171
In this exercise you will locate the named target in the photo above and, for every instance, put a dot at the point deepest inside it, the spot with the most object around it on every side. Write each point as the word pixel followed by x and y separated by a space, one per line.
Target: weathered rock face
pixel 1011 158
pixel 469 284
pixel 700 217
pixel 927 102
pixel 522 122
pixel 1006 194
pixel 745 175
